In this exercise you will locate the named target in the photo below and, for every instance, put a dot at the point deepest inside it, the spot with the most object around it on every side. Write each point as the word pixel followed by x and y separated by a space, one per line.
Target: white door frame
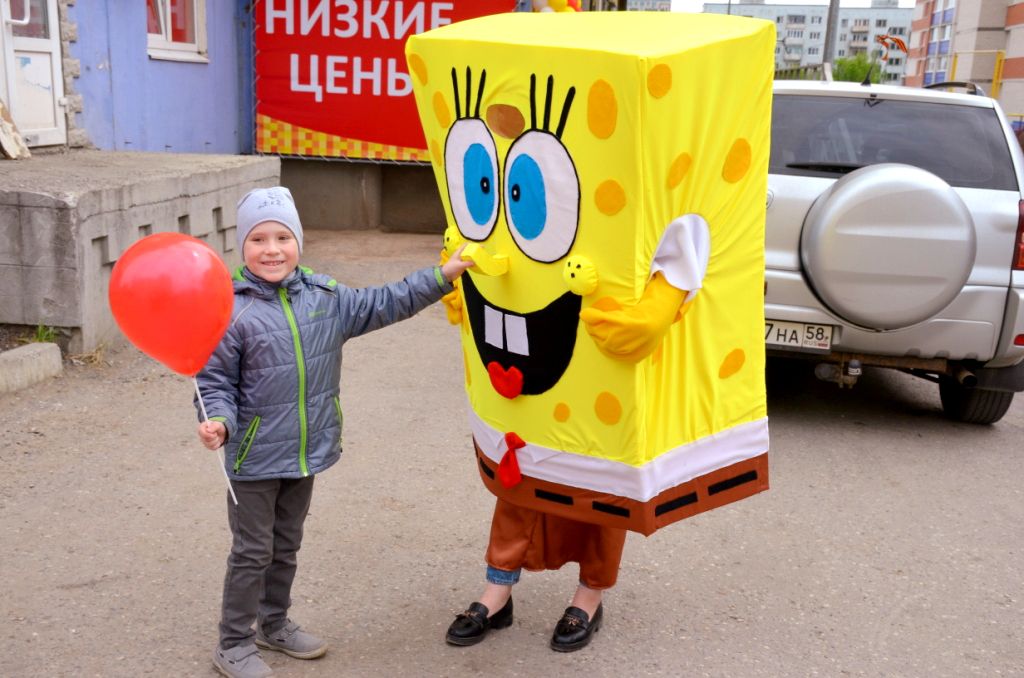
pixel 10 46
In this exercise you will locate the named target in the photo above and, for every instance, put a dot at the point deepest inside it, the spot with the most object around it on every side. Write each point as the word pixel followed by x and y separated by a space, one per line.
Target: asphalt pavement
pixel 890 543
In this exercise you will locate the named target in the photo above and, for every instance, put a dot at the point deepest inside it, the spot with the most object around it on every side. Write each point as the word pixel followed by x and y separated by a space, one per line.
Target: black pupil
pixel 485 185
pixel 516 192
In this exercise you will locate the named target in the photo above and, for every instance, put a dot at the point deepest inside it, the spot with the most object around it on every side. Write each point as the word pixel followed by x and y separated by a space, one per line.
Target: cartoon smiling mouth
pixel 524 353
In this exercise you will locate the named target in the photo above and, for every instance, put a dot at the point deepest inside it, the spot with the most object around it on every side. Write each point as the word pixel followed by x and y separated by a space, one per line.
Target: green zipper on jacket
pixel 300 363
pixel 243 447
pixel 341 418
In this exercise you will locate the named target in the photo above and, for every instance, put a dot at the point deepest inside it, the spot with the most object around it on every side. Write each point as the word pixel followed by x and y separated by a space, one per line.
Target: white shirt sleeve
pixel 682 254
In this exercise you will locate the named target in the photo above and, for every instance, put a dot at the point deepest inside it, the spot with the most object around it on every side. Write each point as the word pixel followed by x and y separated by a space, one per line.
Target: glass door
pixel 31 74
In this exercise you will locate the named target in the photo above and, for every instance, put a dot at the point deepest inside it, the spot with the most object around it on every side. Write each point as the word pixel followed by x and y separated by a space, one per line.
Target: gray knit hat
pixel 267 204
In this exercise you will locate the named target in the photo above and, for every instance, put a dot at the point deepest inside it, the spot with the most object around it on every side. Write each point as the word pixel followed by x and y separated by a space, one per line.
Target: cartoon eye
pixel 542 196
pixel 471 168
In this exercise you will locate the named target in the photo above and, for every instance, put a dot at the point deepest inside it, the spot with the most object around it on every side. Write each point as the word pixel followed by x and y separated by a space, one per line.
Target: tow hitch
pixel 844 374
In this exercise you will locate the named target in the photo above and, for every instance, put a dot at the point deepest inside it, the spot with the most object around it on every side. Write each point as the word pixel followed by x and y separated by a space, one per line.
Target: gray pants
pixel 266 530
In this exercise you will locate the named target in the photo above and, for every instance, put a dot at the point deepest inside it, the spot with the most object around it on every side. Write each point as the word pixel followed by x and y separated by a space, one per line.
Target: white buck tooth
pixel 515 334
pixel 493 333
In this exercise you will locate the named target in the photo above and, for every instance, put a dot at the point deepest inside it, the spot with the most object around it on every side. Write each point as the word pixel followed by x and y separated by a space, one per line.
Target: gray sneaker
pixel 293 641
pixel 242 661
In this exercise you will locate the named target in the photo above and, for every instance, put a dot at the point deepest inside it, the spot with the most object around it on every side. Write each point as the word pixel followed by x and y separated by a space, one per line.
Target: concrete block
pixel 47 200
pixel 72 68
pixel 51 296
pixel 11 294
pixel 75 102
pixel 79 138
pixel 262 169
pixel 201 183
pixel 333 195
pixel 68 31
pixel 10 234
pixel 47 237
pixel 102 201
pixel 157 190
pixel 73 217
pixel 28 365
pixel 409 199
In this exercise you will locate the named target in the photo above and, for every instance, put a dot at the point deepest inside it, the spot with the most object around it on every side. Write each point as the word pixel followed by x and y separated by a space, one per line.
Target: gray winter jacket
pixel 274 378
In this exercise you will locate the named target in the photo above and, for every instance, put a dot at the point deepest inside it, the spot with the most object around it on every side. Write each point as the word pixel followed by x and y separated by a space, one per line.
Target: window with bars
pixel 176 30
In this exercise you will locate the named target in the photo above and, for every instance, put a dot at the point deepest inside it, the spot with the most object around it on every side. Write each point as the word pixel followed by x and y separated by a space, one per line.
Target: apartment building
pixel 800 31
pixel 981 41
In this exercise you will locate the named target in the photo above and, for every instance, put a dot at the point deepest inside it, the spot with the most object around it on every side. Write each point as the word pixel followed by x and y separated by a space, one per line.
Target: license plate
pixel 798 336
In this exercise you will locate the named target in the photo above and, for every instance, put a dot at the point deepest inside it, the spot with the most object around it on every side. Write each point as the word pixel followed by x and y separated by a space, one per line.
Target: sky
pixel 697 5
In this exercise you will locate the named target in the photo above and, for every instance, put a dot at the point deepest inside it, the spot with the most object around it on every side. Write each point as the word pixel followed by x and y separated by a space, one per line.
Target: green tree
pixel 855 68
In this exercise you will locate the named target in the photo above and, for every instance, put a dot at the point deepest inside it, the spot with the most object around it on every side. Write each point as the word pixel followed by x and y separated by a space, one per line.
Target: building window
pixel 895 61
pixel 843 23
pixel 778 19
pixel 795 19
pixel 815 36
pixel 860 22
pixel 176 30
pixel 897 30
pixel 841 52
pixel 880 23
pixel 812 50
pixel 842 37
pixel 794 34
pixel 815 19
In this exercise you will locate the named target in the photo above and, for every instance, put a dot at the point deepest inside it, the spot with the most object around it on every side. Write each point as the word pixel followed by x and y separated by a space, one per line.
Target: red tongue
pixel 508 383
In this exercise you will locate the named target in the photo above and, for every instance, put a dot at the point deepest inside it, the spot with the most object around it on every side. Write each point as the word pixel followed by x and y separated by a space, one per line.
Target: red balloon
pixel 171 295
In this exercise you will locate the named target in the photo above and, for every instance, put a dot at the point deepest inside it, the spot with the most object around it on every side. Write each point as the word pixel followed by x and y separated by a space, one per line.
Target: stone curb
pixel 28 365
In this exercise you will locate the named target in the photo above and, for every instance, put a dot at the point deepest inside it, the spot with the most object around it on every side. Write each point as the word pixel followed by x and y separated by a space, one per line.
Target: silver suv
pixel 894 239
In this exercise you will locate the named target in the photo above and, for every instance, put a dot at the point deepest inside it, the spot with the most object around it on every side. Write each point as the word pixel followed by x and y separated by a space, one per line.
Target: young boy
pixel 271 390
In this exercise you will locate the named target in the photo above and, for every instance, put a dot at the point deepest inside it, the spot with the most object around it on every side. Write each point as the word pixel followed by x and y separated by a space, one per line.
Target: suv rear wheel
pixel 972 405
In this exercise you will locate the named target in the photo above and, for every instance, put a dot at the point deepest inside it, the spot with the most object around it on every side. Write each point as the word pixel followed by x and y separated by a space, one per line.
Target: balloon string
pixel 220 463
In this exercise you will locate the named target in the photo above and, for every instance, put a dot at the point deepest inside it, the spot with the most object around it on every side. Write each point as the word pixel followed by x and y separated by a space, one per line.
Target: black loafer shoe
pixel 575 629
pixel 470 627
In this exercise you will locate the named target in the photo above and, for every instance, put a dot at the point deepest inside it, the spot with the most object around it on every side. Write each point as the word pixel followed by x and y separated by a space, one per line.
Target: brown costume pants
pixel 525 538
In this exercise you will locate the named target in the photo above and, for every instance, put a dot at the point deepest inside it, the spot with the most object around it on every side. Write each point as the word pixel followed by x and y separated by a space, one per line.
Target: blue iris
pixel 528 204
pixel 478 180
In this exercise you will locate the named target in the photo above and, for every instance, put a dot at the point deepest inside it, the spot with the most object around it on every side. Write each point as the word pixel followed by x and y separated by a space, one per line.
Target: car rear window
pixel 828 136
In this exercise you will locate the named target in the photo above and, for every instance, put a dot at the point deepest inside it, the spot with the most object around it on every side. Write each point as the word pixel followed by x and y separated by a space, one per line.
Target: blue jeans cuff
pixel 502 577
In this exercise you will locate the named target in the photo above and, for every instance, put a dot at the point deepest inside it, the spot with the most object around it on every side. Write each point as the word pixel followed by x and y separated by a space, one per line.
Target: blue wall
pixel 134 103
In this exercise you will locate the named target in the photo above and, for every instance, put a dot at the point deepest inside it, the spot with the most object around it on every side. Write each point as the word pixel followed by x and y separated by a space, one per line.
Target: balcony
pixel 859 43
pixel 794 42
pixel 793 56
pixel 860 29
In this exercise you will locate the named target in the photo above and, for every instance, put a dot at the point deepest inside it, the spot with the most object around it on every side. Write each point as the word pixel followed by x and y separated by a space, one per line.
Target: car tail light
pixel 1018 245
pixel 1018 340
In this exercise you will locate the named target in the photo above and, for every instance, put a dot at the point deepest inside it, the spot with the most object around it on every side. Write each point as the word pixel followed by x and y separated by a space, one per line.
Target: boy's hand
pixel 455 265
pixel 212 434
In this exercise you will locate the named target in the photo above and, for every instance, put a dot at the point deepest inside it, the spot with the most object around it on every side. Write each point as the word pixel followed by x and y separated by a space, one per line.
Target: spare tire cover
pixel 887 246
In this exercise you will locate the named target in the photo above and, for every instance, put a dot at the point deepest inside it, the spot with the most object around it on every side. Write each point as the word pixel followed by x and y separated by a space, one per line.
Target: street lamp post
pixel 830 31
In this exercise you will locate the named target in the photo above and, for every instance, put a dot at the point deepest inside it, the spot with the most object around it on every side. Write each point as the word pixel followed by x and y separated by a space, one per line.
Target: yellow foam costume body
pixel 608 173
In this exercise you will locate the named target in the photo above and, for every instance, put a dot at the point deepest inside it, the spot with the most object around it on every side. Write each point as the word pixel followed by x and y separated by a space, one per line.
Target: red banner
pixel 331 77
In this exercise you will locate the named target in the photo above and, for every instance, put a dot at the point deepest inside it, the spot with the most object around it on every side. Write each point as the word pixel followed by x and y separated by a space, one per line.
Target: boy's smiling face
pixel 271 251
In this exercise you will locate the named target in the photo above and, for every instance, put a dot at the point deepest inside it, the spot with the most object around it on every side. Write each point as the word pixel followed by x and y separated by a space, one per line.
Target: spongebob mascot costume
pixel 606 173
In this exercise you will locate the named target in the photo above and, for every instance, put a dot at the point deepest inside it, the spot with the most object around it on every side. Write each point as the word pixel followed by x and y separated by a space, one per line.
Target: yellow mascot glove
pixel 631 334
pixel 453 306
